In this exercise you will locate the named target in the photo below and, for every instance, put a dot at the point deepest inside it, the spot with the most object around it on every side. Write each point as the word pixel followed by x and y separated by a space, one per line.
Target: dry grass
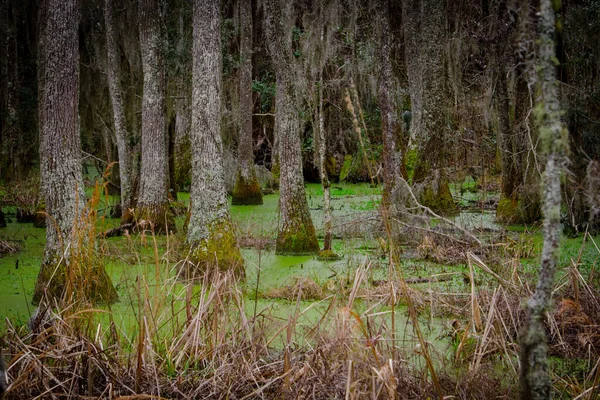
pixel 198 341
pixel 9 247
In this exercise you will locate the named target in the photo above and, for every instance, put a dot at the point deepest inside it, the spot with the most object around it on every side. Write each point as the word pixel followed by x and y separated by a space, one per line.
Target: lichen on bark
pixel 152 204
pixel 210 233
pixel 424 29
pixel 296 233
pixel 535 380
pixel 156 218
pixel 217 251
pixel 247 188
pixel 68 268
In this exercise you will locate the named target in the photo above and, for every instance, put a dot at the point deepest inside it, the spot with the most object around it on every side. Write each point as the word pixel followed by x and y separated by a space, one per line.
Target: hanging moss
pixel 157 218
pixel 219 251
pixel 84 278
pixel 247 192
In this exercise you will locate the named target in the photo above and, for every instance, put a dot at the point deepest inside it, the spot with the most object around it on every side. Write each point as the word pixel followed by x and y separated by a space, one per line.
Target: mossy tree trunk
pixel 247 188
pixel 520 199
pixel 152 210
pixel 535 381
pixel 210 233
pixel 114 86
pixel 425 27
pixel 392 156
pixel 66 265
pixel 296 233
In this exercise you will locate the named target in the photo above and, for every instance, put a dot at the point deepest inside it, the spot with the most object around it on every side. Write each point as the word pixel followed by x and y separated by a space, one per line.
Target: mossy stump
pixel 219 251
pixel 87 282
pixel 507 211
pixel 297 240
pixel 439 201
pixel 327 255
pixel 157 219
pixel 247 191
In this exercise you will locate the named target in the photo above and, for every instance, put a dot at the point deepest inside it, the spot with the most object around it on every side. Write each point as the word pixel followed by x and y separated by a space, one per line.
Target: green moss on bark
pixel 275 172
pixel 327 255
pixel 247 192
pixel 439 201
pixel 158 219
pixel 82 279
pixel 297 239
pixel 508 211
pixel 219 251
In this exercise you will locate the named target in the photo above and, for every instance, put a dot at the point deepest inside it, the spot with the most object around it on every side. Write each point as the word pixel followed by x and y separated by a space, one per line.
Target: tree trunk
pixel 296 233
pixel 11 144
pixel 247 188
pixel 392 156
pixel 321 144
pixel 116 96
pixel 65 268
pixel 153 205
pixel 425 33
pixel 210 232
pixel 535 382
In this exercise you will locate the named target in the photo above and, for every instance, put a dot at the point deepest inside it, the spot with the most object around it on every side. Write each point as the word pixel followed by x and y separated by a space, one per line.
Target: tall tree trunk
pixel 392 156
pixel 65 269
pixel 247 188
pixel 11 137
pixel 296 233
pixel 116 96
pixel 321 144
pixel 210 232
pixel 425 33
pixel 535 382
pixel 153 204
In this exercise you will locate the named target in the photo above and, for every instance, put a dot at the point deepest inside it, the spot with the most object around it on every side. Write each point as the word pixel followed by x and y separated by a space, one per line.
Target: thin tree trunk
pixel 296 233
pixel 535 382
pixel 116 96
pixel 210 232
pixel 322 150
pixel 247 188
pixel 153 205
pixel 60 163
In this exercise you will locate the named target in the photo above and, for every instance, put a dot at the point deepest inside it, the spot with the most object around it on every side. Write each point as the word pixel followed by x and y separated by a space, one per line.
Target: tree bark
pixel 210 232
pixel 153 205
pixel 65 268
pixel 535 382
pixel 296 233
pixel 247 188
pixel 425 33
pixel 392 156
pixel 11 136
pixel 116 97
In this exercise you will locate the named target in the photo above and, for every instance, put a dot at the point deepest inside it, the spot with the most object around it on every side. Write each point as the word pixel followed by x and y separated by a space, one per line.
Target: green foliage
pixel 410 161
pixel 266 90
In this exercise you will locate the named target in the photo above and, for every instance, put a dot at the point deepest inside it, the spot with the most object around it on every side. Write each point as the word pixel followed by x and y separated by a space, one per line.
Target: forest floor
pixel 446 316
